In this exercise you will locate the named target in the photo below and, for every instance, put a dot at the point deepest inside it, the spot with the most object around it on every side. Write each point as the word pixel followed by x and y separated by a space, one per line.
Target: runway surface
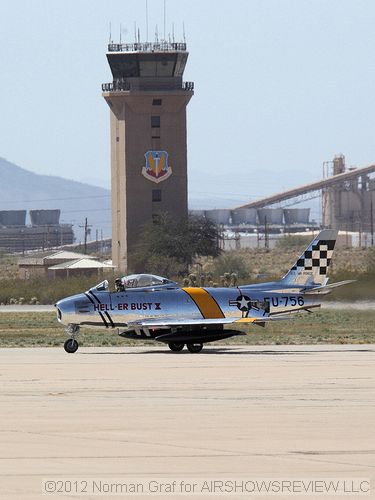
pixel 228 412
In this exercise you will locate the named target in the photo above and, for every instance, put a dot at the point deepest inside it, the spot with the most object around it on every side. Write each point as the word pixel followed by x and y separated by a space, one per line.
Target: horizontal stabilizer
pixel 325 289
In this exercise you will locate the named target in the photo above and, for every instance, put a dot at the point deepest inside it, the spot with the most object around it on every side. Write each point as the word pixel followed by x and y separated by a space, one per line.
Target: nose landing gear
pixel 71 345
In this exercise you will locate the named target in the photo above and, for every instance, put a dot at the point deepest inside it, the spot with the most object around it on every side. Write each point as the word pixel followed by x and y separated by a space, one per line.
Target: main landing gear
pixel 71 345
pixel 177 347
pixel 194 348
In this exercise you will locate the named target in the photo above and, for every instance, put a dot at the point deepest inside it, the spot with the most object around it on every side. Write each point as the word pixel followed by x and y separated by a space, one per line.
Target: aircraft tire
pixel 176 346
pixel 194 348
pixel 71 346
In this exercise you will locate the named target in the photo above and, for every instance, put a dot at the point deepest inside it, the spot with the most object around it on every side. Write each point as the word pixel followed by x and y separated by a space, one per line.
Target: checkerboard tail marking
pixel 312 266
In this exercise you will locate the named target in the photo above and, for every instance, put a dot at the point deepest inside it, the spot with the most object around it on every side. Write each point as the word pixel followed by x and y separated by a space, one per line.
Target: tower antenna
pixel 173 32
pixel 183 32
pixel 120 32
pixel 135 31
pixel 146 21
pixel 165 15
pixel 110 33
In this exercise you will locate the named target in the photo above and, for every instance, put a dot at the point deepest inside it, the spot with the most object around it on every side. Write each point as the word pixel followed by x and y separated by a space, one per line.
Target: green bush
pixel 231 263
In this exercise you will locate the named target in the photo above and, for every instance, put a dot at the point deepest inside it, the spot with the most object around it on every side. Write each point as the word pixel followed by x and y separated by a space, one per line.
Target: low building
pixel 38 266
pixel 79 267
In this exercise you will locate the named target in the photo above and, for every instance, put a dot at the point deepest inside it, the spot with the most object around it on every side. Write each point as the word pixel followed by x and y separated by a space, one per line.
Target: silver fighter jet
pixel 148 307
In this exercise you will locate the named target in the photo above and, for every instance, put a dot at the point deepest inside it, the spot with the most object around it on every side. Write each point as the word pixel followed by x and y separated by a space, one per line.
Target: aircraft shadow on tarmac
pixel 230 350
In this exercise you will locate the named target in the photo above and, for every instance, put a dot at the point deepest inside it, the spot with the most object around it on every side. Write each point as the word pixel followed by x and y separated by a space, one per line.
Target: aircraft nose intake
pixel 60 309
pixel 58 312
pixel 72 309
pixel 63 308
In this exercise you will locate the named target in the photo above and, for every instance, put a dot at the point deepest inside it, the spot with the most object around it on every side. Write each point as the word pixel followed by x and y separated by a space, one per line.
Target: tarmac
pixel 109 415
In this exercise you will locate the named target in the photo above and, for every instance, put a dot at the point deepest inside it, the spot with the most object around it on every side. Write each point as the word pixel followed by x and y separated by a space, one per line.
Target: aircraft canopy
pixel 145 280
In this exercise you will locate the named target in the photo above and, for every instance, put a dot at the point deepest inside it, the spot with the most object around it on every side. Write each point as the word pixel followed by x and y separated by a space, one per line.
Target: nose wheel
pixel 71 345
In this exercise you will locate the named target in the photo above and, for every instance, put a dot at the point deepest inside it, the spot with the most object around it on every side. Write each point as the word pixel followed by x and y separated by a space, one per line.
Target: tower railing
pixel 162 46
pixel 123 85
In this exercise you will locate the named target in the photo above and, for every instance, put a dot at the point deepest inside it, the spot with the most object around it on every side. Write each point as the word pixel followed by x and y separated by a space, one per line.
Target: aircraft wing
pixel 168 322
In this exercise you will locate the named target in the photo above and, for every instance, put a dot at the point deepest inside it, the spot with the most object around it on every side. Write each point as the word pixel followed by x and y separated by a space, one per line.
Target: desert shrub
pixel 43 289
pixel 370 260
pixel 293 241
pixel 230 263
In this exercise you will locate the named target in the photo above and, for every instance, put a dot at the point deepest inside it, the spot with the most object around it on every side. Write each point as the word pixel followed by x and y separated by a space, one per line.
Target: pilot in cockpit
pixel 119 285
pixel 141 281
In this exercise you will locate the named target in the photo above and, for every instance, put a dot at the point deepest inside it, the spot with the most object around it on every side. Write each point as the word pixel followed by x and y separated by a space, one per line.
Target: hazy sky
pixel 280 86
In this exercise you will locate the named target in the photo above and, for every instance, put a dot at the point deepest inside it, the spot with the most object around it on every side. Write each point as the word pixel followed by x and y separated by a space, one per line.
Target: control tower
pixel 147 101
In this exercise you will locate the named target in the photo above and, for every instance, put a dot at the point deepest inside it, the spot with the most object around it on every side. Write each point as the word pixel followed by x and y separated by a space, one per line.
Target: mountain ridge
pixel 22 189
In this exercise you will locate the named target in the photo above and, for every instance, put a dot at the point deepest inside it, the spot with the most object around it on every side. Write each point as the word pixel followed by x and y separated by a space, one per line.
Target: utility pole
pixel 87 232
pixel 372 220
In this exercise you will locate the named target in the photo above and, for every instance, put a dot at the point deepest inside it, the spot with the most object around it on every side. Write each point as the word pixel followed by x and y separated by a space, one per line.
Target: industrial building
pixel 347 204
pixel 44 231
pixel 346 194
pixel 147 100
pixel 250 219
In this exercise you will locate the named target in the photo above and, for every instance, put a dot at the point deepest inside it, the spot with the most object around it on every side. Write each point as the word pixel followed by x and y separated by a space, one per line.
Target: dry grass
pixel 324 327
pixel 262 264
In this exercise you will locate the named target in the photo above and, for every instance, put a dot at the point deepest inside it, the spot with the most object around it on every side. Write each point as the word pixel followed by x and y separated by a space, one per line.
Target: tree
pixel 168 246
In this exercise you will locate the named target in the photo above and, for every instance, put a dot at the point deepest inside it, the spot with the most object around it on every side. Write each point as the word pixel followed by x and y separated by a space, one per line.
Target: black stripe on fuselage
pixel 100 314
pixel 106 313
pixel 110 319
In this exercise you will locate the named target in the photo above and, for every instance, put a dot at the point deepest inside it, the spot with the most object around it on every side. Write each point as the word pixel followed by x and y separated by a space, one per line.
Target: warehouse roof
pixel 85 263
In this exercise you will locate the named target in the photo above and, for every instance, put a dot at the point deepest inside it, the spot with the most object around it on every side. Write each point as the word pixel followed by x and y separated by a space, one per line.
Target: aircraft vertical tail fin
pixel 312 266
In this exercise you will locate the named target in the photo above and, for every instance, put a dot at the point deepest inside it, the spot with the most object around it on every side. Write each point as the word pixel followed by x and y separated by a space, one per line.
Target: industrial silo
pixel 244 216
pixel 220 216
pixel 45 217
pixel 197 213
pixel 296 215
pixel 12 217
pixel 270 216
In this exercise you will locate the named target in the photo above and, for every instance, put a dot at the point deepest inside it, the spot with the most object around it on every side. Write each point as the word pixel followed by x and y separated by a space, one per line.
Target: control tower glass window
pixel 156 66
pixel 155 121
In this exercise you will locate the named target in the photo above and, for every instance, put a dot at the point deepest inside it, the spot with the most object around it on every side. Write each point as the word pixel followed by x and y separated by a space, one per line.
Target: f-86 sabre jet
pixel 148 307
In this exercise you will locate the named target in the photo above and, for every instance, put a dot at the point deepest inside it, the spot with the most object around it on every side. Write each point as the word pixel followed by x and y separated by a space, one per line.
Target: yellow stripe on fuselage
pixel 206 304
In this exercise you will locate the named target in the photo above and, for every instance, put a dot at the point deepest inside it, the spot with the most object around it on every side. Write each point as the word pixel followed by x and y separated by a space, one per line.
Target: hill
pixel 21 189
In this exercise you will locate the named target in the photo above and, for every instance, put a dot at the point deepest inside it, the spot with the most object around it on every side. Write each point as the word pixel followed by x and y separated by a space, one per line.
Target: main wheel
pixel 70 345
pixel 175 346
pixel 194 347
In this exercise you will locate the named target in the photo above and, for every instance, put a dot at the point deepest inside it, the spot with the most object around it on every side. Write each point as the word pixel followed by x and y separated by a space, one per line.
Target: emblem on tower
pixel 156 168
